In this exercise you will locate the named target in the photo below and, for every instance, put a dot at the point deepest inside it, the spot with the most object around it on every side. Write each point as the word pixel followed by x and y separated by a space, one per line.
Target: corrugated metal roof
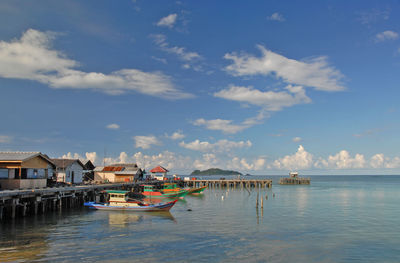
pixel 159 169
pixel 112 169
pixel 17 156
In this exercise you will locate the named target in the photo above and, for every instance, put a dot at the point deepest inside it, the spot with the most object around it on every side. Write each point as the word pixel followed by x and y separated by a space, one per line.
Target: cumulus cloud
pixel 342 160
pixel 113 126
pixel 167 21
pixel 276 17
pixel 169 160
pixel 214 155
pixel 178 135
pixel 92 156
pixel 31 57
pixel 146 142
pixel 380 161
pixel 269 100
pixel 5 139
pixel 386 35
pixel 300 160
pixel 237 163
pixel 314 73
pixel 219 146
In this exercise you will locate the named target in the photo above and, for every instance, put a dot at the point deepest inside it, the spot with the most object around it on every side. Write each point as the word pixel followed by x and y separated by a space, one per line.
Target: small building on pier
pixel 23 170
pixel 69 170
pixel 159 173
pixel 118 173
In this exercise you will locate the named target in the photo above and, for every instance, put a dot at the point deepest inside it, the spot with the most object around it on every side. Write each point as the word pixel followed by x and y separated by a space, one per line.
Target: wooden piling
pixel 24 209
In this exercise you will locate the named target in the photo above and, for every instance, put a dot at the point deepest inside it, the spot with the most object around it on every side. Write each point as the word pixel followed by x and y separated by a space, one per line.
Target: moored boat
pixel 149 191
pixel 196 190
pixel 119 200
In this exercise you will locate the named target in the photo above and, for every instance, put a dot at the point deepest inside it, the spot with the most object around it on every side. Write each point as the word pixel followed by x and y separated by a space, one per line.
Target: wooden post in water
pixel 24 209
pixel 257 200
pixel 43 206
pixel 13 208
pixel 35 207
pixel 1 212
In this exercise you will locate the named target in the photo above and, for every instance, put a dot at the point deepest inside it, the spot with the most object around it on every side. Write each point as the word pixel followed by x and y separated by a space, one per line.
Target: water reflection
pixel 19 243
pixel 124 218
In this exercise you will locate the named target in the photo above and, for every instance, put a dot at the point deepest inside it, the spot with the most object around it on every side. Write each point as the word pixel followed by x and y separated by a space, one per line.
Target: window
pixel 3 173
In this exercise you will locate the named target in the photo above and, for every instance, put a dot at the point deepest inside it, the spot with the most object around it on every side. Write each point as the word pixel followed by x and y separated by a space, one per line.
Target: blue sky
pixel 262 87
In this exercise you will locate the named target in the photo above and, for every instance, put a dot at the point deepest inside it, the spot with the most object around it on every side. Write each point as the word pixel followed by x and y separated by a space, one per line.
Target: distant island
pixel 215 171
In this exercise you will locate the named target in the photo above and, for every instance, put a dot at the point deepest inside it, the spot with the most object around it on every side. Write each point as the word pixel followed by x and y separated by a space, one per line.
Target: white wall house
pixel 69 170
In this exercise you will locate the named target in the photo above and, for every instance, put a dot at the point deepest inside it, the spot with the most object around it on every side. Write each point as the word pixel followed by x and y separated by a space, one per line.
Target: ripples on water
pixel 335 219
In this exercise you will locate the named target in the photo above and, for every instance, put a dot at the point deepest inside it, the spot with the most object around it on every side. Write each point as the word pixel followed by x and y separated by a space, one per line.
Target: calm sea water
pixel 335 219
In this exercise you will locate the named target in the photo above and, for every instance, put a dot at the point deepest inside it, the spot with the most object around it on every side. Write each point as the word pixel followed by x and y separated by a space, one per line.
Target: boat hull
pixel 179 194
pixel 198 190
pixel 144 208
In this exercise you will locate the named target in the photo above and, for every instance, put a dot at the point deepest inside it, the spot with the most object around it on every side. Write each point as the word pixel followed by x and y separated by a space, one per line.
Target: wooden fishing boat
pixel 149 191
pixel 171 187
pixel 119 200
pixel 196 190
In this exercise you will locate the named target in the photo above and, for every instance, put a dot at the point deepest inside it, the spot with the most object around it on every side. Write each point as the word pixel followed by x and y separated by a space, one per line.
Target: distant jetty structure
pixel 294 179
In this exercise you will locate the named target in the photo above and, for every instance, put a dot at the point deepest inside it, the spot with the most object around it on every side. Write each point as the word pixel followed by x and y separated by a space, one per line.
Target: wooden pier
pixel 16 203
pixel 297 180
pixel 234 183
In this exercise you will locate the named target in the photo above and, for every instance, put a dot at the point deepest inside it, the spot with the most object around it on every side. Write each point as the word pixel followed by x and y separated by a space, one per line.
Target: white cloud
pixel 312 73
pixel 226 126
pixel 5 139
pixel 176 135
pixel 219 146
pixel 69 155
pixel 218 157
pixel 168 21
pixel 393 163
pixel 161 41
pixel 377 161
pixel 237 163
pixel 92 156
pixel 31 57
pixel 167 159
pixel 269 100
pixel 209 160
pixel 145 142
pixel 296 139
pixel 276 17
pixel 300 160
pixel 342 160
pixel 386 35
pixel 113 126
pixel 380 161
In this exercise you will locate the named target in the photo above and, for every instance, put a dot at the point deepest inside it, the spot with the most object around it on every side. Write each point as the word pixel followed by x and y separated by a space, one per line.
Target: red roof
pixel 159 169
